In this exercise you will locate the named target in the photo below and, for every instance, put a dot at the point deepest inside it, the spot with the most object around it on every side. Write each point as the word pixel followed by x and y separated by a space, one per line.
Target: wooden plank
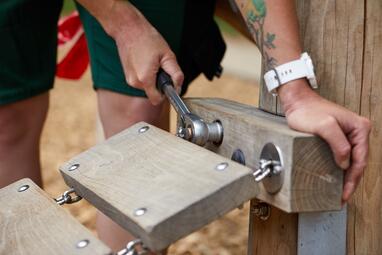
pixel 312 181
pixel 322 233
pixel 174 180
pixel 32 223
pixel 365 213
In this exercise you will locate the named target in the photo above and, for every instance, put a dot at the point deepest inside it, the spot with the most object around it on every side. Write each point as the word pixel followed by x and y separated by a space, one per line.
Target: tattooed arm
pixel 274 26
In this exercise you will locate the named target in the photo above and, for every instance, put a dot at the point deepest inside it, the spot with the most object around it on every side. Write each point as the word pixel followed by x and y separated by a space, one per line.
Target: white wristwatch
pixel 297 69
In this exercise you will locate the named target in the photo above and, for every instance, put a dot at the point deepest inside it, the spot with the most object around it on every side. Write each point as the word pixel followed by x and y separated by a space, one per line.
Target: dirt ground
pixel 71 129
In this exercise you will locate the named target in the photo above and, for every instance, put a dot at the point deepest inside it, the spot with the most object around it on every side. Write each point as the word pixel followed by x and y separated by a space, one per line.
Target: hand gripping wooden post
pixel 344 39
pixel 311 180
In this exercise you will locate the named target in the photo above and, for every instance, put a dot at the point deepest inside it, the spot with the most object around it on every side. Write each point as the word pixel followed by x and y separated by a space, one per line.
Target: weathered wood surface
pixel 176 181
pixel 344 39
pixel 277 235
pixel 312 180
pixel 33 223
pixel 365 210
pixel 332 32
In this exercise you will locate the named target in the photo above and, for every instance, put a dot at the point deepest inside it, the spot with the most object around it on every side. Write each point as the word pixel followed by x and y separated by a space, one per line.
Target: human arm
pixel 274 26
pixel 141 48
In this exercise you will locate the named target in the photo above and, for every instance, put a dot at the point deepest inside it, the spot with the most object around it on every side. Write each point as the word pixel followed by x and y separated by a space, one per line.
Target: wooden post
pixel 345 41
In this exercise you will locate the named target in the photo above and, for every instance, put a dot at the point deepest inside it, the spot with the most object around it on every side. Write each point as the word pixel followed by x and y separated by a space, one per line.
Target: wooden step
pixel 312 181
pixel 156 185
pixel 32 223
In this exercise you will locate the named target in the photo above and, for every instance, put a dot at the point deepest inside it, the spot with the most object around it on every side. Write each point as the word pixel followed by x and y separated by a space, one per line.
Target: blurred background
pixel 71 129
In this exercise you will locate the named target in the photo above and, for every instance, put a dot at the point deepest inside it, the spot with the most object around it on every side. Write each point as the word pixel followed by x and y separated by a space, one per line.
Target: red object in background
pixel 75 63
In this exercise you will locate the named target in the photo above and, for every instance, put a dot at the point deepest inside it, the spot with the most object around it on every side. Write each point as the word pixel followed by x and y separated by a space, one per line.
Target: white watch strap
pixel 284 73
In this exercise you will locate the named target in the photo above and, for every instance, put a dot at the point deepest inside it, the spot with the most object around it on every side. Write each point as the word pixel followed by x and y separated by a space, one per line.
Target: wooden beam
pixel 312 181
pixel 32 223
pixel 365 210
pixel 333 34
pixel 174 184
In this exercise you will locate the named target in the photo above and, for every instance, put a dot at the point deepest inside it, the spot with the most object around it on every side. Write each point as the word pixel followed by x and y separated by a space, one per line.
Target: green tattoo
pixel 265 41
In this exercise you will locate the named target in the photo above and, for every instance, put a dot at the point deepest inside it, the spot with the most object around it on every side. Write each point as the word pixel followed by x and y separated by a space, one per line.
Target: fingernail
pixel 345 164
pixel 348 191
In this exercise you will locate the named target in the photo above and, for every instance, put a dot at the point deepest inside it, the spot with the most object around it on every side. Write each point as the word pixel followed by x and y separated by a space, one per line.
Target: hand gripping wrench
pixel 192 127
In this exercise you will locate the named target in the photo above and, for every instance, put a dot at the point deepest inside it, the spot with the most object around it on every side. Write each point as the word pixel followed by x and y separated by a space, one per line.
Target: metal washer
pixel 273 183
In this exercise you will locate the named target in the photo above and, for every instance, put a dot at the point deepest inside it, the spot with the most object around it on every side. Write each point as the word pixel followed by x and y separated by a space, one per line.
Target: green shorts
pixel 107 73
pixel 28 32
pixel 29 39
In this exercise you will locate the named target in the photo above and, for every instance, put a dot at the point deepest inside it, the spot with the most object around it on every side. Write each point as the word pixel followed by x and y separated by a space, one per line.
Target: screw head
pixel 222 166
pixel 140 211
pixel 143 129
pixel 261 210
pixel 82 244
pixel 23 188
pixel 74 167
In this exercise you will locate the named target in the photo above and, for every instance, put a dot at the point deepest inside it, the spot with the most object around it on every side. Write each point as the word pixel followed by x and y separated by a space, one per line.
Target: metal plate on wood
pixel 158 186
pixel 32 223
pixel 322 233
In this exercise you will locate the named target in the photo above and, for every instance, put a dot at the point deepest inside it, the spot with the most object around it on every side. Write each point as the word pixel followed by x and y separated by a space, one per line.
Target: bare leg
pixel 118 112
pixel 20 130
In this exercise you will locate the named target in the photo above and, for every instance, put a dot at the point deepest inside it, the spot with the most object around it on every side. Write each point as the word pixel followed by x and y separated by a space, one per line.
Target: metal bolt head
pixel 238 156
pixel 82 244
pixel 143 129
pixel 23 188
pixel 261 210
pixel 181 132
pixel 74 167
pixel 222 166
pixel 140 211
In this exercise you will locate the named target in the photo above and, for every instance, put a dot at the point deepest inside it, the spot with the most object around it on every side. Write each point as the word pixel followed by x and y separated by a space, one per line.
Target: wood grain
pixel 312 180
pixel 365 212
pixel 32 223
pixel 335 38
pixel 333 34
pixel 275 236
pixel 176 181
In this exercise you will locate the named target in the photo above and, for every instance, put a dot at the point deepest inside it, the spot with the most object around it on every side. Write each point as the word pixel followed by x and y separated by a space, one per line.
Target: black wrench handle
pixel 166 86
